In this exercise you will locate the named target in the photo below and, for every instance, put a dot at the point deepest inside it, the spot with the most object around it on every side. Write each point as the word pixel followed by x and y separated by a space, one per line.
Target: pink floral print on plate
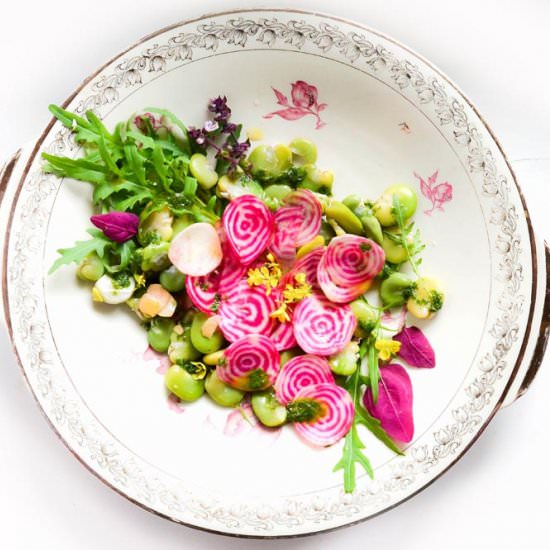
pixel 437 193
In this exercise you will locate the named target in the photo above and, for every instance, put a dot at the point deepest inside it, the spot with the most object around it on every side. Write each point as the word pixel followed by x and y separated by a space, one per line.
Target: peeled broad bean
pixel 159 333
pixel 427 298
pixel 345 362
pixel 201 342
pixel 318 180
pixel 182 384
pixel 344 217
pixel 91 268
pixel 181 348
pixel 154 257
pixel 384 206
pixel 268 410
pixel 372 227
pixel 172 279
pixel 158 224
pixel 396 289
pixel 222 393
pixel 205 174
pixel 288 354
pixel 277 191
pixel 303 151
pixel 395 251
pixel 367 316
pixel 352 202
pixel 181 223
pixel 270 161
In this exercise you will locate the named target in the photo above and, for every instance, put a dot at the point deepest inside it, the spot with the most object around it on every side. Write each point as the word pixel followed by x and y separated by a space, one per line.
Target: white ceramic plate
pixel 389 117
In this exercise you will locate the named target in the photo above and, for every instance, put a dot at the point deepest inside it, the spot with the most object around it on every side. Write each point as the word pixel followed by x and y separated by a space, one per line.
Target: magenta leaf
pixel 281 98
pixel 416 350
pixel 394 405
pixel 117 226
pixel 292 113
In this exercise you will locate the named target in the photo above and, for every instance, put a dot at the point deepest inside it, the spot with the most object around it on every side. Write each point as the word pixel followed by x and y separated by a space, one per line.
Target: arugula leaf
pixel 375 427
pixel 84 133
pixel 404 233
pixel 98 243
pixel 352 452
pixel 78 169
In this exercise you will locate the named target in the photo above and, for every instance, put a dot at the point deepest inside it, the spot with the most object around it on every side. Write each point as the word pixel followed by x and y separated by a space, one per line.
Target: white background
pixel 497 495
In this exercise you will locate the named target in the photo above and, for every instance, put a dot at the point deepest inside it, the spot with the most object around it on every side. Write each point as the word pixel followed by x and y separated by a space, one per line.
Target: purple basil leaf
pixel 394 405
pixel 117 226
pixel 415 348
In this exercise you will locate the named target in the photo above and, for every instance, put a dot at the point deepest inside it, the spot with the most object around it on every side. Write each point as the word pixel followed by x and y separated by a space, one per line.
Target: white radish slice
pixel 197 250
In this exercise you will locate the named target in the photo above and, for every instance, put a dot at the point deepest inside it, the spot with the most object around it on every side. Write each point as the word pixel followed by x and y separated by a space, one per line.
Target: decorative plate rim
pixel 532 244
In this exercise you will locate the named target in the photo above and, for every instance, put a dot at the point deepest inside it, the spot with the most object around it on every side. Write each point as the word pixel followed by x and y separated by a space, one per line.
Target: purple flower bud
pixel 117 226
pixel 211 126
pixel 219 107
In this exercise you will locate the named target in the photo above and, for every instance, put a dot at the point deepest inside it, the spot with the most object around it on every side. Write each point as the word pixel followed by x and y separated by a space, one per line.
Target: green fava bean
pixel 154 257
pixel 372 228
pixel 396 289
pixel 201 342
pixel 288 354
pixel 205 175
pixel 327 232
pixel 182 384
pixel 395 251
pixel 278 191
pixel 172 279
pixel 384 206
pixel 367 316
pixel 271 161
pixel 181 349
pixel 268 410
pixel 352 202
pixel 91 268
pixel 222 393
pixel 344 217
pixel 317 180
pixel 159 333
pixel 345 362
pixel 303 151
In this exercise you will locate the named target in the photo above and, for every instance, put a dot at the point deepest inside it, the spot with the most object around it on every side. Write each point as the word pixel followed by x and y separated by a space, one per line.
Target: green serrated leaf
pixel 81 249
pixel 375 427
pixel 373 372
pixel 78 169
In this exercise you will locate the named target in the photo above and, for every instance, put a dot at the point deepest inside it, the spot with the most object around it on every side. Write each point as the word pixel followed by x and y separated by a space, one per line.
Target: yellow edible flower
pixel 140 279
pixel 295 293
pixel 387 348
pixel 281 313
pixel 268 275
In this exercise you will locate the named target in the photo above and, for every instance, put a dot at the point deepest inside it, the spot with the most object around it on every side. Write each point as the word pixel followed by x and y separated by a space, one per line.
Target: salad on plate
pixel 256 282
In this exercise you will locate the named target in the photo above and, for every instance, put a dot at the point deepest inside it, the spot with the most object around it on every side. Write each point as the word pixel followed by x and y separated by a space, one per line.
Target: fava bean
pixel 372 227
pixel 384 206
pixel 205 174
pixel 172 279
pixel 201 342
pixel 158 224
pixel 181 223
pixel 395 251
pixel 213 358
pixel 317 242
pixel 159 333
pixel 268 410
pixel 91 268
pixel 221 393
pixel 182 384
pixel 367 316
pixel 327 232
pixel 352 202
pixel 288 354
pixel 344 217
pixel 181 349
pixel 303 151
pixel 345 362
pixel 427 298
pixel 396 289
pixel 317 180
pixel 277 191
pixel 271 161
pixel 154 257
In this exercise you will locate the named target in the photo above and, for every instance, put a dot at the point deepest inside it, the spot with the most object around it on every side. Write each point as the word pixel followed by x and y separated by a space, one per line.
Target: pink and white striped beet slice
pixel 311 214
pixel 322 327
pixel 308 265
pixel 251 363
pixel 351 260
pixel 336 293
pixel 232 270
pixel 246 310
pixel 299 372
pixel 283 336
pixel 202 290
pixel 288 222
pixel 337 417
pixel 249 226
